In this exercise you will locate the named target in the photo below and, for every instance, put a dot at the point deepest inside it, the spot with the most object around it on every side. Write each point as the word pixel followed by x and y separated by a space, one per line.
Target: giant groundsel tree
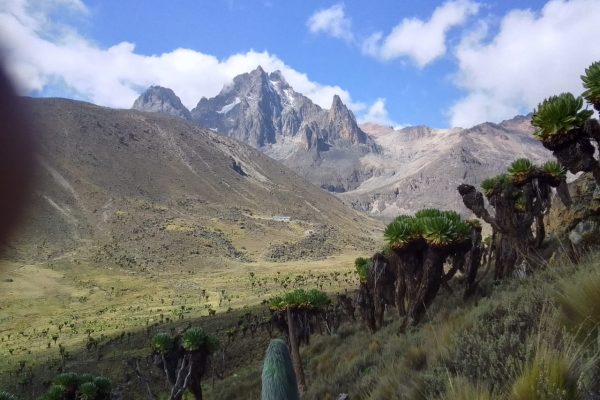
pixel 520 199
pixel 184 360
pixel 410 272
pixel 565 128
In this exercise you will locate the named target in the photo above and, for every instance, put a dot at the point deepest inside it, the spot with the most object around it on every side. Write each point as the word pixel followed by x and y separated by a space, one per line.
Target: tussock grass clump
pixel 460 388
pixel 579 301
pixel 415 358
pixel 550 376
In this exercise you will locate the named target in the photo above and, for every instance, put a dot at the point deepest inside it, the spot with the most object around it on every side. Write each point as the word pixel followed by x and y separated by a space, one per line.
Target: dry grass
pixel 71 301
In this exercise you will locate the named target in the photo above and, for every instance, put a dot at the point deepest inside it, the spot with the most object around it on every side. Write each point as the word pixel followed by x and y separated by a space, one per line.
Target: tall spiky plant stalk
pixel 278 377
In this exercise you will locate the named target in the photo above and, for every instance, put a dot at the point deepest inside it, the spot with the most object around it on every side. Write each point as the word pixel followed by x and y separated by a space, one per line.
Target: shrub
pixel 494 343
pixel 551 376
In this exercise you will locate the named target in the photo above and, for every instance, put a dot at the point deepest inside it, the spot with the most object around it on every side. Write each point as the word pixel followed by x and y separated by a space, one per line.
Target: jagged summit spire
pixel 259 71
pixel 337 102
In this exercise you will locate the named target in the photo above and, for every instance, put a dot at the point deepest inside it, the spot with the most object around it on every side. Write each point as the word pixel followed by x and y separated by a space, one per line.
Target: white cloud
pixel 38 53
pixel 331 21
pixel 377 113
pixel 533 56
pixel 422 41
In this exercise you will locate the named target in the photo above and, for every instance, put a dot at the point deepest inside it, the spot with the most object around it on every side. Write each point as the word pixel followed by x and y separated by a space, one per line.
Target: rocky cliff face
pixel 162 100
pixel 264 111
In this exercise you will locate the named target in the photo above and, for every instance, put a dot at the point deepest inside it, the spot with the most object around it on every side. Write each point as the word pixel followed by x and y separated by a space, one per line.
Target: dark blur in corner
pixel 16 159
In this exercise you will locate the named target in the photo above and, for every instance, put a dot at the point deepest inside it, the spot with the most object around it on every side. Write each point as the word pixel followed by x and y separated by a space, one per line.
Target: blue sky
pixel 398 62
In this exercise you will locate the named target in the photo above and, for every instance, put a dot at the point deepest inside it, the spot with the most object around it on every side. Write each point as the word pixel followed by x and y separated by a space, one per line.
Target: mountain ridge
pixel 372 168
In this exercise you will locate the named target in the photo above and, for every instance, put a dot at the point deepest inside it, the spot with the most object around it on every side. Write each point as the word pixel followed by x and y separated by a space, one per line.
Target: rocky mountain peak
pixel 162 100
pixel 337 103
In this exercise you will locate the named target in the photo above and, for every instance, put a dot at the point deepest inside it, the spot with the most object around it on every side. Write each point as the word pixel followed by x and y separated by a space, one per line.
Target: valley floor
pixel 65 307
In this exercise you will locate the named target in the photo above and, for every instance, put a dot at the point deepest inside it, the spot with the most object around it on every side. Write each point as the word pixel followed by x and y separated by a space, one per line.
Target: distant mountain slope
pixel 264 111
pixel 372 168
pixel 421 167
pixel 143 190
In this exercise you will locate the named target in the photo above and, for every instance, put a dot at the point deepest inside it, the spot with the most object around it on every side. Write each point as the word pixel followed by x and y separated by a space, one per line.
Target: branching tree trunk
pixel 519 203
pixel 184 360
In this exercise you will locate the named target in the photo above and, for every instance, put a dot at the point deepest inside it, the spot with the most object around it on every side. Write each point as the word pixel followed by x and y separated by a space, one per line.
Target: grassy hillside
pixel 479 350
pixel 147 191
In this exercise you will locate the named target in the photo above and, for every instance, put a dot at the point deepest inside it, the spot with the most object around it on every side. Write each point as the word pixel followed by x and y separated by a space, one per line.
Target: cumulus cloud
pixel 331 21
pixel 41 53
pixel 421 41
pixel 377 113
pixel 532 56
